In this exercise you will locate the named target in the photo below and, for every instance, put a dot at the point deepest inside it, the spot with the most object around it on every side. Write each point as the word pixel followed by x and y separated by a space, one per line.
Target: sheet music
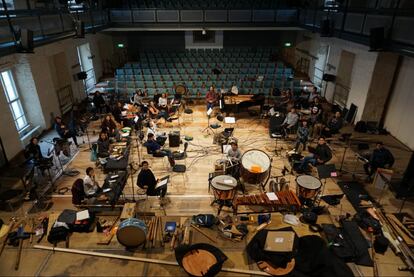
pixel 209 111
pixel 272 196
pixel 230 120
pixel 82 215
pixel 162 182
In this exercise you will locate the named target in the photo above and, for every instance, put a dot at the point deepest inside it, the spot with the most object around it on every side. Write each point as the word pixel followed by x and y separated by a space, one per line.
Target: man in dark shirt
pixel 154 148
pixel 63 130
pixel 333 126
pixel 381 158
pixel 146 179
pixel 104 145
pixel 98 101
pixel 320 155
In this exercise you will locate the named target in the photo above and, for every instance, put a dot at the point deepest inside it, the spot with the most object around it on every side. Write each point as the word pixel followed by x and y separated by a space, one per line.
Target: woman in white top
pixel 163 101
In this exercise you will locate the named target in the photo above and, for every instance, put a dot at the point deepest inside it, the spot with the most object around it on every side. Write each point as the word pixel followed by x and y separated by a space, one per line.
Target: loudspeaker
pixel 326 28
pixel 80 29
pixel 329 77
pixel 80 76
pixel 26 41
pixel 174 139
pixel 376 39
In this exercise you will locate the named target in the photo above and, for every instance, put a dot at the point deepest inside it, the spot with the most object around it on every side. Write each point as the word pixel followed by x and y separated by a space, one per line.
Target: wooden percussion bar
pixel 287 201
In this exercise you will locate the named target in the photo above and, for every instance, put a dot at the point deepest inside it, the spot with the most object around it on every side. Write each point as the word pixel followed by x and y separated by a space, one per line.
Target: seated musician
pixel 63 131
pixel 316 117
pixel 302 136
pixel 90 186
pixel 140 118
pixel 175 102
pixel 211 99
pixel 333 126
pixel 137 98
pixel 146 179
pixel 314 94
pixel 104 145
pixel 34 153
pixel 320 155
pixel 381 158
pixel 154 148
pixel 234 89
pixel 234 154
pixel 117 112
pixel 109 126
pixel 156 113
pixel 163 102
pixel 290 121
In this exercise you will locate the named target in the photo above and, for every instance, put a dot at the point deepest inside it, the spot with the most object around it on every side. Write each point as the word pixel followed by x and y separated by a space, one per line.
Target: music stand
pixel 161 191
pixel 325 171
pixel 208 129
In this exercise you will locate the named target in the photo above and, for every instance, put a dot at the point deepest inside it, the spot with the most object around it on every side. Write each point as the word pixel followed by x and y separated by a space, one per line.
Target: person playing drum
pixel 234 154
pixel 320 155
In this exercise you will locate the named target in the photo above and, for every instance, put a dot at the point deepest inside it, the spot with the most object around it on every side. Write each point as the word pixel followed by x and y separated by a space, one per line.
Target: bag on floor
pixel 204 220
pixel 57 234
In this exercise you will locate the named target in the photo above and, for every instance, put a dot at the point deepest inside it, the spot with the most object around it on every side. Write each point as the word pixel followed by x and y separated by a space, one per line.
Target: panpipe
pixel 286 201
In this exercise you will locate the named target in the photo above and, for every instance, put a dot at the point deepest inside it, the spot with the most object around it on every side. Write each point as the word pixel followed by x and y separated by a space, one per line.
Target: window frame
pixel 17 100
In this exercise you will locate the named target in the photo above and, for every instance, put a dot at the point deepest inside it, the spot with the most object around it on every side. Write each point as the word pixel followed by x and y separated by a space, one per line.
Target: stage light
pixel 120 45
pixel 288 44
pixel 203 32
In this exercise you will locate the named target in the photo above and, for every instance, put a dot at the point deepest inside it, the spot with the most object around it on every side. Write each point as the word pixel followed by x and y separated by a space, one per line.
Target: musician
pixel 156 113
pixel 146 179
pixel 381 158
pixel 290 121
pixel 160 137
pixel 320 155
pixel 99 102
pixel 63 131
pixel 314 94
pixel 163 102
pixel 316 117
pixel 175 103
pixel 234 155
pixel 90 186
pixel 109 126
pixel 333 126
pixel 211 99
pixel 104 145
pixel 34 153
pixel 137 98
pixel 140 118
pixel 154 148
pixel 117 112
pixel 234 89
pixel 302 135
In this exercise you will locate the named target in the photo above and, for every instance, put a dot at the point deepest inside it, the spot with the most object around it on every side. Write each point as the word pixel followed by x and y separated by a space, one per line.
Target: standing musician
pixel 319 155
pixel 234 154
pixel 90 186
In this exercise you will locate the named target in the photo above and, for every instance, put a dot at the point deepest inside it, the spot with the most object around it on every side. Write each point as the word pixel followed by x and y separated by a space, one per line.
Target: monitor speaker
pixel 376 39
pixel 329 77
pixel 174 139
pixel 326 28
pixel 26 41
pixel 80 29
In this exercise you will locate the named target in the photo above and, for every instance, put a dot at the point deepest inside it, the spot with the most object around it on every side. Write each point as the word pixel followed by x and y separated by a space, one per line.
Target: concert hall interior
pixel 204 138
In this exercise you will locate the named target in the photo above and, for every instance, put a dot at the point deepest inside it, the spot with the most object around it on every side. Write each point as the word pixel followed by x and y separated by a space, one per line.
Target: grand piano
pixel 241 102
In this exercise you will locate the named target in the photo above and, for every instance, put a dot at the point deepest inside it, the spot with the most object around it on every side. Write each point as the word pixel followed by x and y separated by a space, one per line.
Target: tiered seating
pixel 211 4
pixel 251 70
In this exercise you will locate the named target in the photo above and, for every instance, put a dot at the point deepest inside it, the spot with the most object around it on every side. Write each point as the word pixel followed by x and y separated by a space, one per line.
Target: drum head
pixel 253 159
pixel 198 262
pixel 180 89
pixel 131 232
pixel 277 271
pixel 224 182
pixel 308 182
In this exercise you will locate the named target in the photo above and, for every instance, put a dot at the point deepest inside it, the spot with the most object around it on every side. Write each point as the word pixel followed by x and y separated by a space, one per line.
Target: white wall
pixel 363 68
pixel 399 118
pixel 189 43
pixel 35 77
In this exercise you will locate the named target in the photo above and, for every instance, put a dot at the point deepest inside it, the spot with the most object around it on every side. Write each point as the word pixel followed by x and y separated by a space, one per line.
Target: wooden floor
pixel 188 195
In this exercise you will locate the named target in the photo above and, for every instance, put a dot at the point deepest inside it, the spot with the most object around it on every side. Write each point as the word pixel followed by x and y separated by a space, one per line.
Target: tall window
pixel 13 100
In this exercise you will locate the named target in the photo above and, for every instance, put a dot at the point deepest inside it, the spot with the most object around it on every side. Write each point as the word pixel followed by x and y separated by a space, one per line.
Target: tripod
pixel 208 129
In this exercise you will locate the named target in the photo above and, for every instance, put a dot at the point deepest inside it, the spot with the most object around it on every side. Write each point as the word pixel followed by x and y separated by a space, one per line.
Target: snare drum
pixel 307 187
pixel 224 187
pixel 255 166
pixel 132 232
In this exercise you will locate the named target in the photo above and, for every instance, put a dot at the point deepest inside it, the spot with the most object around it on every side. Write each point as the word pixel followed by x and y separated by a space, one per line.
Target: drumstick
pixel 161 232
pixel 203 233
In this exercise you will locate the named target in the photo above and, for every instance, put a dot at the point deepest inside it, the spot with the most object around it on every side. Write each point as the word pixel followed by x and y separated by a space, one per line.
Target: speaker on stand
pixel 25 43
pixel 376 39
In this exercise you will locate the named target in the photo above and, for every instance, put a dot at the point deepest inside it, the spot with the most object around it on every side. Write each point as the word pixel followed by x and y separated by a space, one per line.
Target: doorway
pixel 86 64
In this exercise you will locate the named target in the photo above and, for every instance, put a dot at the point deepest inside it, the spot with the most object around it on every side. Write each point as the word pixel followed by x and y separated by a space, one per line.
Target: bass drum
pixel 132 232
pixel 255 167
pixel 181 90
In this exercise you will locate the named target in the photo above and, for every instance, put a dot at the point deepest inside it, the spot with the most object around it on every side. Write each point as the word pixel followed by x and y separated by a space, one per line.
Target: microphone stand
pixel 131 173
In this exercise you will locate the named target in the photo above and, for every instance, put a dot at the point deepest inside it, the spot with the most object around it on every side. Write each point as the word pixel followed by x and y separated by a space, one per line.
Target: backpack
pixel 205 220
pixel 57 234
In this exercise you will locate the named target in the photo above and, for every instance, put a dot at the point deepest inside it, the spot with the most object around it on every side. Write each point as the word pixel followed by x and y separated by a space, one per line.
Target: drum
pixel 224 187
pixel 307 187
pixel 180 89
pixel 132 232
pixel 255 166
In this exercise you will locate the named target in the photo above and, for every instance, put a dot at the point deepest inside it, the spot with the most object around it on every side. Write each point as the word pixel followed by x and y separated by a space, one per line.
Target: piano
pixel 241 102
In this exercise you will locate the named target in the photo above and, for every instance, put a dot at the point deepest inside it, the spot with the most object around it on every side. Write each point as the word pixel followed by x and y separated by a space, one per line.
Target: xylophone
pixel 286 201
